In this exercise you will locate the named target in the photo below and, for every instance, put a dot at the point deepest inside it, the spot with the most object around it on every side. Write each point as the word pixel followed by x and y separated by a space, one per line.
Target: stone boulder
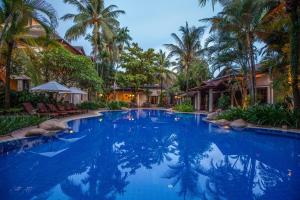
pixel 124 108
pixel 222 122
pixel 239 123
pixel 53 125
pixel 212 116
pixel 36 132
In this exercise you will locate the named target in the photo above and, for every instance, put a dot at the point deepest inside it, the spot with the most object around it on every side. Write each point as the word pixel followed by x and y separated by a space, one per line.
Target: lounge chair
pixel 42 109
pixel 61 108
pixel 53 108
pixel 30 110
pixel 72 107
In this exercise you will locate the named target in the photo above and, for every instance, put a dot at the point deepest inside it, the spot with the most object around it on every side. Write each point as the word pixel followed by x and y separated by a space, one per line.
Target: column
pixel 199 101
pixel 210 100
pixel 269 95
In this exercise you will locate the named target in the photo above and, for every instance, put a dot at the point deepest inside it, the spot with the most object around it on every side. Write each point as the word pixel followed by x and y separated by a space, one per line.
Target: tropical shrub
pixel 89 105
pixel 163 101
pixel 185 107
pixel 13 98
pixel 11 111
pixel 271 115
pixel 12 123
pixel 33 98
pixel 223 102
pixel 117 105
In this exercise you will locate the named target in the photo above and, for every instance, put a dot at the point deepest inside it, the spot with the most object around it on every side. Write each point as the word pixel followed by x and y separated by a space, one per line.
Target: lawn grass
pixel 15 122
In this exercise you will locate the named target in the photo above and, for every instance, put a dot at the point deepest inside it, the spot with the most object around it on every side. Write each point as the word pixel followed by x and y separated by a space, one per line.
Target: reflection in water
pixel 149 154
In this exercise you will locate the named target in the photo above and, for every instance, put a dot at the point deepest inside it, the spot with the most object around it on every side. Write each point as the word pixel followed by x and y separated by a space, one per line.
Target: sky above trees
pixel 150 22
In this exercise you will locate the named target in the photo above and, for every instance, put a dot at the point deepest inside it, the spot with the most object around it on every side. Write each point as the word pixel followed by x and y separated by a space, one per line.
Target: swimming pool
pixel 152 155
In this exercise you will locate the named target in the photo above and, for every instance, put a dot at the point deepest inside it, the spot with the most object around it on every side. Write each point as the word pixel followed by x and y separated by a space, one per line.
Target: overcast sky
pixel 150 21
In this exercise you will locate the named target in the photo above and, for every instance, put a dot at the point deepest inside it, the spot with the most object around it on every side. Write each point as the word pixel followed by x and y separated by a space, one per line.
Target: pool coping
pixel 20 133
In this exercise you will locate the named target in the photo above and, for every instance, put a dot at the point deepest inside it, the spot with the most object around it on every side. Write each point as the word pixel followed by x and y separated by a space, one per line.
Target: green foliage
pixel 11 111
pixel 163 100
pixel 92 105
pixel 139 67
pixel 224 102
pixel 117 105
pixel 60 65
pixel 12 123
pixel 271 115
pixel 33 98
pixel 198 72
pixel 185 107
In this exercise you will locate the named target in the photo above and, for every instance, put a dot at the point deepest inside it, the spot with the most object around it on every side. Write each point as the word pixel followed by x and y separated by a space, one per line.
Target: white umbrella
pixel 74 90
pixel 51 86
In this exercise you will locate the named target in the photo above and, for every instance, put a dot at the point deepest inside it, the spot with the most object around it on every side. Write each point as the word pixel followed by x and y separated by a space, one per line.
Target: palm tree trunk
pixel 295 49
pixel 187 79
pixel 95 38
pixel 7 74
pixel 161 88
pixel 252 68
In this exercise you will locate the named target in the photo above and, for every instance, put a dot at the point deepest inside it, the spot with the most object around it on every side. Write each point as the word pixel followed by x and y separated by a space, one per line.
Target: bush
pixel 12 123
pixel 271 115
pixel 117 105
pixel 33 98
pixel 185 107
pixel 91 105
pixel 11 111
pixel 223 102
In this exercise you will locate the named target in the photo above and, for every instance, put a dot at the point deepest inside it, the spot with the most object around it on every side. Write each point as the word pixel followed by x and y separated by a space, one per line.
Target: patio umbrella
pixel 74 90
pixel 51 86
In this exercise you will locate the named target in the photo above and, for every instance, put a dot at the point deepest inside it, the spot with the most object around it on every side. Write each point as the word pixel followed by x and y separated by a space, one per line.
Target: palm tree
pixel 242 19
pixel 16 16
pixel 226 52
pixel 165 74
pixel 292 8
pixel 93 14
pixel 187 48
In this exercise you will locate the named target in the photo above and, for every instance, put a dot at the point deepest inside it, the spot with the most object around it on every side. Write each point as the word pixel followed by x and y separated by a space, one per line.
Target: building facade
pixel 205 97
pixel 147 96
pixel 21 82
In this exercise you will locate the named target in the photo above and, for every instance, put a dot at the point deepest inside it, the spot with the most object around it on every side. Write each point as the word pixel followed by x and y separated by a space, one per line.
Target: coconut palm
pixel 292 8
pixel 93 14
pixel 242 19
pixel 187 47
pixel 15 17
pixel 166 76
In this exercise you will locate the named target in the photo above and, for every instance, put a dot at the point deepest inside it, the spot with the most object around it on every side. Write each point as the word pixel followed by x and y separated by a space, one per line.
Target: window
pixel 154 99
pixel 262 95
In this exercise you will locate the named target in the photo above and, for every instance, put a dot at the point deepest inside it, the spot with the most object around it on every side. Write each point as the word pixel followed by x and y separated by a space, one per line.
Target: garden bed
pixel 11 123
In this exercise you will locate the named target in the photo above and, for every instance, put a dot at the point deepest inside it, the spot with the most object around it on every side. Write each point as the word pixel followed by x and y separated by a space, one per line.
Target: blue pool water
pixel 151 155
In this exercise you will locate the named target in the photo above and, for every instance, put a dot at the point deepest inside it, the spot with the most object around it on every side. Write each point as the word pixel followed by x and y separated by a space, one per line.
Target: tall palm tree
pixel 93 14
pixel 166 76
pixel 242 19
pixel 187 47
pixel 15 17
pixel 292 8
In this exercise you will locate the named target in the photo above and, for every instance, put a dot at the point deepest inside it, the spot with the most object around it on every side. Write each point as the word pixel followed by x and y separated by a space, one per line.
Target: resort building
pixel 147 96
pixel 21 82
pixel 206 96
